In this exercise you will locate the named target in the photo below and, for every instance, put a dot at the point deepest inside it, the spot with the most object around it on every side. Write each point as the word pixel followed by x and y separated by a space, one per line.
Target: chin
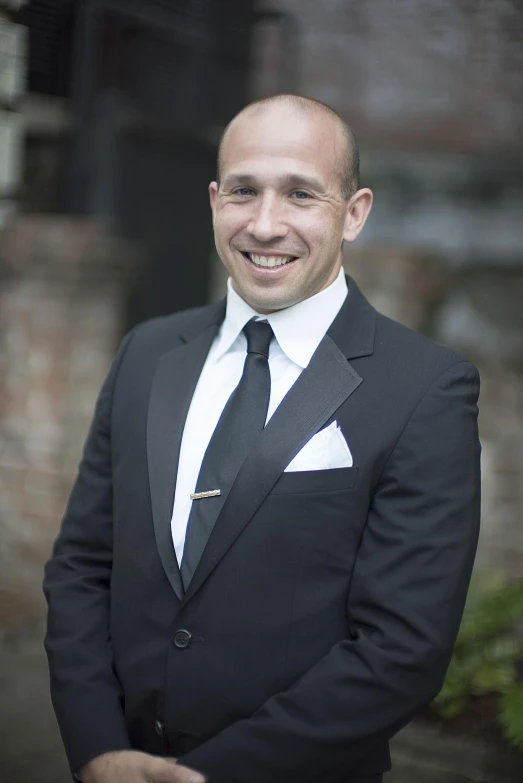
pixel 271 305
pixel 264 300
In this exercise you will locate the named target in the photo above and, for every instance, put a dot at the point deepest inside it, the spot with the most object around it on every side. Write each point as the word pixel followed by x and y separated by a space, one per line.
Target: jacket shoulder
pixel 162 333
pixel 173 323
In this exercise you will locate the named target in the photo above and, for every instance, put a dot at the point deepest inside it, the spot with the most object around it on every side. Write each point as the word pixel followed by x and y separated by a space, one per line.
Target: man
pixel 266 603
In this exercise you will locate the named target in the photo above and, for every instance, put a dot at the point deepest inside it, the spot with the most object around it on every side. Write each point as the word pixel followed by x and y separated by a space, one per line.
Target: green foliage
pixel 511 715
pixel 485 657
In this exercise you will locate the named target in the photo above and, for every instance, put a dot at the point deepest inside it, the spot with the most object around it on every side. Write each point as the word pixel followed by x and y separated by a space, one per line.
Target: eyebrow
pixel 287 180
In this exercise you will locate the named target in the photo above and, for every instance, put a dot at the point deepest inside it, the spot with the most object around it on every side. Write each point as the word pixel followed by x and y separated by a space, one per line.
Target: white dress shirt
pixel 298 330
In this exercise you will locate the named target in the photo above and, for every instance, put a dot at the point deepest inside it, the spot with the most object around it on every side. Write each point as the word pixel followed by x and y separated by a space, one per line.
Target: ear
pixel 358 209
pixel 213 195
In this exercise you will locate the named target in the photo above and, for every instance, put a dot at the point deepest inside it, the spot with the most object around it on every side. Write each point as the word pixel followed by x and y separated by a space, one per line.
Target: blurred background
pixel 110 115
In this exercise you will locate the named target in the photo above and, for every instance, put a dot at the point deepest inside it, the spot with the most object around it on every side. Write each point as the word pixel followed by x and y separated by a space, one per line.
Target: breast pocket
pixel 314 481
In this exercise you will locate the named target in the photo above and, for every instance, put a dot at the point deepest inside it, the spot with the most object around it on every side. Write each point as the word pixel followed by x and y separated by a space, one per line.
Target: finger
pixel 187 775
pixel 168 771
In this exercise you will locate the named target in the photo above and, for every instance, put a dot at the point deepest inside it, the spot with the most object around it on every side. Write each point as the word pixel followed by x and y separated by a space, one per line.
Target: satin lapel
pixel 320 390
pixel 172 390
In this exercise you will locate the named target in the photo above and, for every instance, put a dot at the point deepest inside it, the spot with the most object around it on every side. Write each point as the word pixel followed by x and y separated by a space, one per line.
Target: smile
pixel 268 261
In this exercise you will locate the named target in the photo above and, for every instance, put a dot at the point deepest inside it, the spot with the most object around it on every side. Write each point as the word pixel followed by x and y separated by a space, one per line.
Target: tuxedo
pixel 325 605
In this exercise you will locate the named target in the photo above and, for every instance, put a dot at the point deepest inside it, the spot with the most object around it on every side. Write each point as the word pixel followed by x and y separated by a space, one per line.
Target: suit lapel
pixel 326 383
pixel 171 393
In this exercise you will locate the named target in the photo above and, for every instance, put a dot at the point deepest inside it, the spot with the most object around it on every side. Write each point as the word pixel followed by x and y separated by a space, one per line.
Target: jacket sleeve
pixel 404 607
pixel 85 691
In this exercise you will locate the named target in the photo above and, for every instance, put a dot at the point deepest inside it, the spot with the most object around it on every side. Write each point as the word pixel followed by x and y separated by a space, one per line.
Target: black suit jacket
pixel 325 606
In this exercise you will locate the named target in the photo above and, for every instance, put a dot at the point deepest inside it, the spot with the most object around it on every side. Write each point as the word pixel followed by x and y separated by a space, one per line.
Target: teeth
pixel 269 261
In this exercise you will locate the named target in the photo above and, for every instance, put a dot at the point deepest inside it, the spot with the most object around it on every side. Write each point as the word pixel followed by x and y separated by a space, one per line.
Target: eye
pixel 243 191
pixel 301 195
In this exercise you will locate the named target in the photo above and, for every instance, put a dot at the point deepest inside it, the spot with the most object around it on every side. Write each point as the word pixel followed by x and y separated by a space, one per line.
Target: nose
pixel 267 220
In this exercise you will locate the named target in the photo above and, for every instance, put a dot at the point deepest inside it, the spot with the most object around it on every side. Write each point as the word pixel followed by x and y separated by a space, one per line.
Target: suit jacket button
pixel 159 728
pixel 182 639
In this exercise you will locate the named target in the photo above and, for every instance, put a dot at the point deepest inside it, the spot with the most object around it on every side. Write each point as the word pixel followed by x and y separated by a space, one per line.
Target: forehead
pixel 286 137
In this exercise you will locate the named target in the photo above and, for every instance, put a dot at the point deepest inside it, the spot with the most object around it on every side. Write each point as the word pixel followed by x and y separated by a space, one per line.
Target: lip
pixel 268 270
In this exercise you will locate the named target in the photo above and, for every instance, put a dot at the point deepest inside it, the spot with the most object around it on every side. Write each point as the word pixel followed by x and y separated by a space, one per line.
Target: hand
pixel 130 766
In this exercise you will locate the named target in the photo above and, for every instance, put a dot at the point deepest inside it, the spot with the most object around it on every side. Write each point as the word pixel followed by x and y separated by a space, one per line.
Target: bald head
pixel 349 158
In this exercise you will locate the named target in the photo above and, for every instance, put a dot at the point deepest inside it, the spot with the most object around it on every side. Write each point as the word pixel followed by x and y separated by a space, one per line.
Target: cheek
pixel 328 234
pixel 227 223
pixel 316 232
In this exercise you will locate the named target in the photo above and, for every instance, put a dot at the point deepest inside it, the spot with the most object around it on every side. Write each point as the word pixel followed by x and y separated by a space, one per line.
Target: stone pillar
pixel 61 297
pixel 483 319
pixel 403 283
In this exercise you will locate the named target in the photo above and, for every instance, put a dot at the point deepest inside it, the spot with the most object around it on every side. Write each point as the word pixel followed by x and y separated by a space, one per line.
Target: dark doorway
pixel 154 84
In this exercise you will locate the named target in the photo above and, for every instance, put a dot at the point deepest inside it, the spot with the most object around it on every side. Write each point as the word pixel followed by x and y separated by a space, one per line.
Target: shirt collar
pixel 298 329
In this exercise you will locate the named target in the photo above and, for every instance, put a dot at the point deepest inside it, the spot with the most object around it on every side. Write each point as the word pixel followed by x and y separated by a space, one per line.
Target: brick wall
pixel 60 322
pixel 412 74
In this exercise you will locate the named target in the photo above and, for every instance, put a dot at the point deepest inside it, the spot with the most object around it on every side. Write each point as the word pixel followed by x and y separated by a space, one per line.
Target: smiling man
pixel 264 561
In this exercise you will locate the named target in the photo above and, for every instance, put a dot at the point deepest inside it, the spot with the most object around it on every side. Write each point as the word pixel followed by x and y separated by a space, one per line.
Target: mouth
pixel 268 262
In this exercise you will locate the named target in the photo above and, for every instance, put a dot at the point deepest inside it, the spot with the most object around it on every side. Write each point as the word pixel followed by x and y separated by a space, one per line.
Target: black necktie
pixel 241 422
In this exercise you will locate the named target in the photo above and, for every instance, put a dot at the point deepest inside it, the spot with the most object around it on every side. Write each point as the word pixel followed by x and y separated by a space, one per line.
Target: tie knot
pixel 259 335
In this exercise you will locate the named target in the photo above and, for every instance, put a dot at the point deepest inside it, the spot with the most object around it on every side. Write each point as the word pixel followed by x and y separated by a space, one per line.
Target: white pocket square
pixel 326 450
